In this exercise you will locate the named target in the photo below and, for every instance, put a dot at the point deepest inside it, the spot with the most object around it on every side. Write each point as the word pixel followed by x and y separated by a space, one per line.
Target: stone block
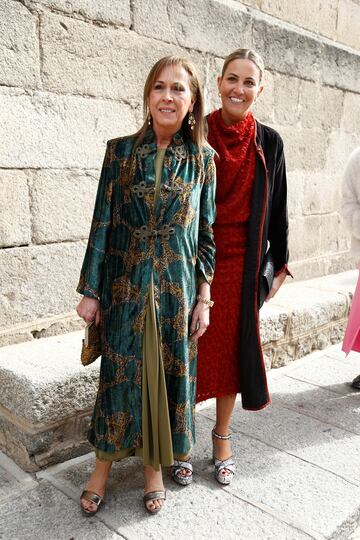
pixel 333 237
pixel 239 517
pixel 339 262
pixel 273 323
pixel 351 117
pixel 304 239
pixel 282 355
pixel 304 269
pixel 251 3
pixel 286 50
pixel 13 480
pixel 318 16
pixel 39 281
pixel 40 328
pixel 19 46
pixel 211 92
pixel 154 19
pixel 322 265
pixel 311 440
pixel 195 25
pixel 297 484
pixel 340 67
pixel 295 194
pixel 297 54
pixel 43 130
pixel 320 106
pixel 73 192
pixel 113 63
pixel 332 372
pixel 44 380
pixel 14 209
pixel 52 515
pixel 339 147
pixel 344 282
pixel 305 149
pixel 49 395
pixel 33 446
pixel 320 193
pixel 325 308
pixel 102 11
pixel 286 99
pixel 264 108
pixel 348 23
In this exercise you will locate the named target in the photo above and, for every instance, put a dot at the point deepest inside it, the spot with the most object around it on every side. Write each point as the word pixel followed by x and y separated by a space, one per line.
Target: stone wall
pixel 71 77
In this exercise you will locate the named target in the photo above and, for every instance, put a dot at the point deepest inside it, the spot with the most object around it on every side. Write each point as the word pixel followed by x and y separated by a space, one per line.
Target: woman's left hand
pixel 277 282
pixel 200 321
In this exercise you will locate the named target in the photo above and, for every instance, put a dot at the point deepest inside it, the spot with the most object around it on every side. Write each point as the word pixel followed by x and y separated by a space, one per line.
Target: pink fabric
pixel 352 334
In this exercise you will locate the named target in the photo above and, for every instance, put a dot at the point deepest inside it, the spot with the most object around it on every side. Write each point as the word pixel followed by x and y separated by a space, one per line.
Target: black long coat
pixel 268 224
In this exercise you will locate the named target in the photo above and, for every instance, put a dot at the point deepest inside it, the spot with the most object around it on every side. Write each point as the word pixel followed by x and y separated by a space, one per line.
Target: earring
pixel 219 94
pixel 148 119
pixel 191 121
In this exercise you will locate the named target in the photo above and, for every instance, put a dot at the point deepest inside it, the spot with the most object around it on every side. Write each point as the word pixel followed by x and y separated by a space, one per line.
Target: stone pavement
pixel 298 474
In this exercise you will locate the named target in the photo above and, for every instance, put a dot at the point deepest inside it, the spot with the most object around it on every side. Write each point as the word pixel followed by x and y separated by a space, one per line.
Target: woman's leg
pixel 153 482
pixel 97 483
pixel 224 410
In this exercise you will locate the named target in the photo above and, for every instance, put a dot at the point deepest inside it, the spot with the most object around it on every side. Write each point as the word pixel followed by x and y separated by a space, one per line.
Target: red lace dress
pixel 218 350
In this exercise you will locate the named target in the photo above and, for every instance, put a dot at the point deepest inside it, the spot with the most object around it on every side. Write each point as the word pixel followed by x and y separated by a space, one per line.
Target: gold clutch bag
pixel 91 345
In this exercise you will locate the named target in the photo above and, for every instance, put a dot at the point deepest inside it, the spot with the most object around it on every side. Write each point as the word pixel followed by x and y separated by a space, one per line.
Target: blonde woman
pixel 146 278
pixel 251 213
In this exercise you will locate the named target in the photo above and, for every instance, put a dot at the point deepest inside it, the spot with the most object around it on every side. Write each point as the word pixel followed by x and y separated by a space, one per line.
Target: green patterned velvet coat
pixel 130 241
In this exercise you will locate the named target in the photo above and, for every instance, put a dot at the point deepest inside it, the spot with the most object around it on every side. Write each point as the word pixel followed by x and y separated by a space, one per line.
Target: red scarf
pixel 235 166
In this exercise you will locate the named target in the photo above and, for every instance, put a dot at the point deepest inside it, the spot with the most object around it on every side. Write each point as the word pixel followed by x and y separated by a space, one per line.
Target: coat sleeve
pixel 350 203
pixel 205 262
pixel 92 269
pixel 279 223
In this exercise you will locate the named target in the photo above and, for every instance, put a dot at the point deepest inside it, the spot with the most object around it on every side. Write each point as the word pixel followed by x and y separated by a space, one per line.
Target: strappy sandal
pixel 91 497
pixel 181 479
pixel 154 496
pixel 225 464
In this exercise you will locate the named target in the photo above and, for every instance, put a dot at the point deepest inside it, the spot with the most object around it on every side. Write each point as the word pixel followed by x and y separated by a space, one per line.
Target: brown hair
pixel 197 135
pixel 245 54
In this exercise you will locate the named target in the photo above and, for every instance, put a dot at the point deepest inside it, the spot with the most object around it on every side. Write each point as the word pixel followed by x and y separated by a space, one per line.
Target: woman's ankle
pixel 153 479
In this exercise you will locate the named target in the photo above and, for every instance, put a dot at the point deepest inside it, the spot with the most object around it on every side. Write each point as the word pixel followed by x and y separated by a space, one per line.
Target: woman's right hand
pixel 89 309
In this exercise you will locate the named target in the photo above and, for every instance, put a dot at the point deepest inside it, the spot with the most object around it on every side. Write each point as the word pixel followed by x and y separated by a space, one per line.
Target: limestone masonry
pixel 71 77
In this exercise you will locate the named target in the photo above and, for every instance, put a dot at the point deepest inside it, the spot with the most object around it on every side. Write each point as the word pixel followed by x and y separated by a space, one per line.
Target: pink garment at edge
pixel 352 334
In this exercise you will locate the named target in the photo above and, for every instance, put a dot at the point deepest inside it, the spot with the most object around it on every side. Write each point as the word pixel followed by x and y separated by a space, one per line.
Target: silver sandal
pixel 93 497
pixel 176 472
pixel 154 496
pixel 225 464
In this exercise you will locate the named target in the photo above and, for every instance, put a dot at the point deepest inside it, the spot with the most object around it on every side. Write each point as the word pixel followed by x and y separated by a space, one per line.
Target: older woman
pixel 146 278
pixel 251 213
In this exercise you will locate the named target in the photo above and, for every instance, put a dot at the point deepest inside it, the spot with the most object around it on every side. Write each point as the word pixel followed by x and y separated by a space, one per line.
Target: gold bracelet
pixel 205 301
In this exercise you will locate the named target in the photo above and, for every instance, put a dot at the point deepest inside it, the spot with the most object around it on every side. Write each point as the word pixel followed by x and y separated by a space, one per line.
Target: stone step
pixel 47 395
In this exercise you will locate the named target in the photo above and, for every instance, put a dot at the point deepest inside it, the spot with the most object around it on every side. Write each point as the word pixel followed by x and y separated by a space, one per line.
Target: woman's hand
pixel 277 282
pixel 89 309
pixel 200 321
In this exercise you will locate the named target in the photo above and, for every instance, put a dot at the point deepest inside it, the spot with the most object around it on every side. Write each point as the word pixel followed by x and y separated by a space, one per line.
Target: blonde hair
pixel 245 54
pixel 197 135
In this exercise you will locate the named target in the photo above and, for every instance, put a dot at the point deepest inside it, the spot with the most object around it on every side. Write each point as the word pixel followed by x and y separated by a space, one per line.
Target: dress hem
pixel 217 395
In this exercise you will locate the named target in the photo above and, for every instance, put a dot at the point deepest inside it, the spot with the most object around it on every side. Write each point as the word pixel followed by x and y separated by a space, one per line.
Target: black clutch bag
pixel 91 345
pixel 266 277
